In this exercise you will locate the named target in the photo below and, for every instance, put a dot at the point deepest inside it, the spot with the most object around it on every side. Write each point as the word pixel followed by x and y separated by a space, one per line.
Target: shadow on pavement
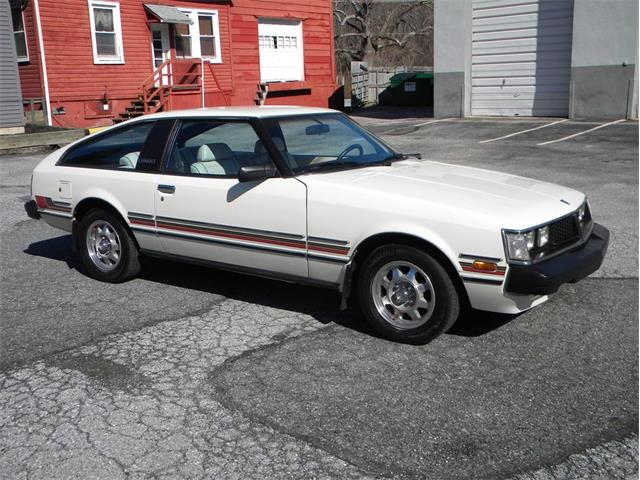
pixel 321 304
pixel 58 248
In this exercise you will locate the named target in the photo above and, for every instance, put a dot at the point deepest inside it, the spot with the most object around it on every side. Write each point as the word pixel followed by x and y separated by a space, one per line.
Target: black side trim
pixel 328 240
pixel 144 216
pixel 341 261
pixel 226 244
pixel 239 269
pixel 487 281
pixel 479 257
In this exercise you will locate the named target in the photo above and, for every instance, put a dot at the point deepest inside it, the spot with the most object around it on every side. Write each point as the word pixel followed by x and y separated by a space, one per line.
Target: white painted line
pixel 432 121
pixel 582 133
pixel 404 127
pixel 524 131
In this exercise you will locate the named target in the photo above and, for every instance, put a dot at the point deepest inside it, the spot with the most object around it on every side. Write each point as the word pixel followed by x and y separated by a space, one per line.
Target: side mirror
pixel 252 173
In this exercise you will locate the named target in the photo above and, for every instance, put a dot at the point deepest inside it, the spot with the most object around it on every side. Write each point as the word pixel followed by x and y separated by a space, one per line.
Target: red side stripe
pixel 471 269
pixel 338 251
pixel 236 236
pixel 147 223
pixel 217 233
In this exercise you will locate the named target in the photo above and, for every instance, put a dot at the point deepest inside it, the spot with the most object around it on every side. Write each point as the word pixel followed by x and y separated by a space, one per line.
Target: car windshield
pixel 325 141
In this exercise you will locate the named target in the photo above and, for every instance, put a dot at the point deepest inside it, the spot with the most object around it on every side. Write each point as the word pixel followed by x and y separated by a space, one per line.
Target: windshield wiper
pixel 402 156
pixel 342 164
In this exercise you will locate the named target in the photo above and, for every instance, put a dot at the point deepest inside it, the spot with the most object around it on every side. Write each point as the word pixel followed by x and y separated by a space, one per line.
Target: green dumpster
pixel 409 89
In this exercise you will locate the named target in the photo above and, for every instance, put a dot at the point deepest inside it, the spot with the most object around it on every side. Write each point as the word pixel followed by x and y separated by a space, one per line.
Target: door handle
pixel 167 188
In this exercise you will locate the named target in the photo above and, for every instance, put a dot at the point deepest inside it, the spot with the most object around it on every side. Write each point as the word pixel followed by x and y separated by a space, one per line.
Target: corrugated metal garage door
pixel 521 57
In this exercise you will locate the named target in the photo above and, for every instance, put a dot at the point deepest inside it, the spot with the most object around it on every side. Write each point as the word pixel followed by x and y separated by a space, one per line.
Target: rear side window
pixel 118 149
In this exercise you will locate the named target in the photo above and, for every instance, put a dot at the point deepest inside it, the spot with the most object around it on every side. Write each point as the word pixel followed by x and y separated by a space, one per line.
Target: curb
pixel 12 143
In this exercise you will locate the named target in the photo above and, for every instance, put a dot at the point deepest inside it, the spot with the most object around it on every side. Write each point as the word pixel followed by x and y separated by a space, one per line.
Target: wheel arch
pixel 369 244
pixel 89 203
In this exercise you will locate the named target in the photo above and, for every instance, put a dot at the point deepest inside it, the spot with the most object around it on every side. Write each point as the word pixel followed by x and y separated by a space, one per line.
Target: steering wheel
pixel 346 151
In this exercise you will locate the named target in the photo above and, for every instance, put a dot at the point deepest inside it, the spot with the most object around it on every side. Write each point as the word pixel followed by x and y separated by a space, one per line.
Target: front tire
pixel 407 295
pixel 107 249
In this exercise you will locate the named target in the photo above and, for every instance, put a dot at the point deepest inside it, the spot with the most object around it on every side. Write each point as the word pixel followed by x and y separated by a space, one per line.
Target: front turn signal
pixel 486 266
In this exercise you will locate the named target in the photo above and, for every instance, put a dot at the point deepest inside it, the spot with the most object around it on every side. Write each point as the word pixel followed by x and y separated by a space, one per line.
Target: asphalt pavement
pixel 189 372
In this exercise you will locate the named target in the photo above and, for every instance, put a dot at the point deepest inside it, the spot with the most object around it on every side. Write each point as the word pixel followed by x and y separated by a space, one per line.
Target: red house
pixel 95 62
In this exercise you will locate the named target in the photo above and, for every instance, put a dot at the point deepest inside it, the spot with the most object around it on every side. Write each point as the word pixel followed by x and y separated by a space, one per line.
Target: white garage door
pixel 521 57
pixel 281 52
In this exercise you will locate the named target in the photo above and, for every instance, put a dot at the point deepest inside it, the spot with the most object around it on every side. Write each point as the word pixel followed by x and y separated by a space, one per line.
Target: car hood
pixel 508 200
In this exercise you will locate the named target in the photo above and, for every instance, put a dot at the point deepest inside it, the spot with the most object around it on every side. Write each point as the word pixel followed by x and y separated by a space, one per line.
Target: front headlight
pixel 521 245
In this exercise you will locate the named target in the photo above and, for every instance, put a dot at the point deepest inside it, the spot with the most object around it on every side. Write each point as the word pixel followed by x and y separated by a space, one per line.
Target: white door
pixel 281 50
pixel 521 57
pixel 204 212
pixel 161 49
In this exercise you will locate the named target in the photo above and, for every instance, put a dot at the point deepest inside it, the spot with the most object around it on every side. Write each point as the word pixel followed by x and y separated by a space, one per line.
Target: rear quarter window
pixel 117 149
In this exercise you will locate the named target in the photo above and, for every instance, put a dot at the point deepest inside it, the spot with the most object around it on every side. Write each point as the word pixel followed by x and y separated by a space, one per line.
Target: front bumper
pixel 32 209
pixel 546 277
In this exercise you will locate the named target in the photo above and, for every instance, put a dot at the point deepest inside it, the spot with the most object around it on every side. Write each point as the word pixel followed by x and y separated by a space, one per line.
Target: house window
pixel 106 32
pixel 183 40
pixel 19 35
pixel 207 37
pixel 201 38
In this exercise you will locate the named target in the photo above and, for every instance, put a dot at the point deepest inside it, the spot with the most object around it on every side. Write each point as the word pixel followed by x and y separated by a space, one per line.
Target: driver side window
pixel 215 148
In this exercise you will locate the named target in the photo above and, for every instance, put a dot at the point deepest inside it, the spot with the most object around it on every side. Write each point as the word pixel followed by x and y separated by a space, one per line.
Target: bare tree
pixel 383 31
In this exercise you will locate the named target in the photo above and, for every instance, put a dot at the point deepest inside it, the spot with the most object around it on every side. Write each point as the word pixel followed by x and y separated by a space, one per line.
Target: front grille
pixel 564 231
pixel 563 234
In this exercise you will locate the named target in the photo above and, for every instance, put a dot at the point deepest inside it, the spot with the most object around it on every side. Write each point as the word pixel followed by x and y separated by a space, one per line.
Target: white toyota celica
pixel 307 195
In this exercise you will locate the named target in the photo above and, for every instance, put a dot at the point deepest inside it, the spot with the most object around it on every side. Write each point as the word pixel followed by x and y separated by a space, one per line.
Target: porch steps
pixel 135 109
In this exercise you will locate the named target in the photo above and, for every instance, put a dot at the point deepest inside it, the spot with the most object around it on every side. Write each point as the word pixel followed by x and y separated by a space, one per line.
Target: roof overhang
pixel 167 14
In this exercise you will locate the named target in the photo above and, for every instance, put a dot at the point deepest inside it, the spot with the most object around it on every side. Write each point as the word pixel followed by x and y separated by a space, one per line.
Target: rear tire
pixel 407 295
pixel 107 249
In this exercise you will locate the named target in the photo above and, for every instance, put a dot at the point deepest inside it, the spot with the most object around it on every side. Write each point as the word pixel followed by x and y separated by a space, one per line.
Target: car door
pixel 203 212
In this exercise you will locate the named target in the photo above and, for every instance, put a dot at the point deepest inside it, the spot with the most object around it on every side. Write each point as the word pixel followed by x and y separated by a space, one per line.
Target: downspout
pixel 202 80
pixel 231 59
pixel 333 49
pixel 43 62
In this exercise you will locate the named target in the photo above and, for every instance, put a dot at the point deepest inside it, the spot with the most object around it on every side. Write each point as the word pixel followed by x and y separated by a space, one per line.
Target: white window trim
pixel 26 43
pixel 117 26
pixel 194 33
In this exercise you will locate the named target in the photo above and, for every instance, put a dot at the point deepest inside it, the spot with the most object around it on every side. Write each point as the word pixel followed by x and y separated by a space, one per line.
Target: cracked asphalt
pixel 188 372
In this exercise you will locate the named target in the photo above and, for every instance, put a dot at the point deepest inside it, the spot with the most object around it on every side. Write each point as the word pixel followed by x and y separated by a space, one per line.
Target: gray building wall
pixel 604 59
pixel 604 76
pixel 452 57
pixel 11 116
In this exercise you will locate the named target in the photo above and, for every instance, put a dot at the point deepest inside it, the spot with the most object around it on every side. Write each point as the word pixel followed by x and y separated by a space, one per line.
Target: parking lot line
pixel 432 121
pixel 399 129
pixel 582 133
pixel 524 131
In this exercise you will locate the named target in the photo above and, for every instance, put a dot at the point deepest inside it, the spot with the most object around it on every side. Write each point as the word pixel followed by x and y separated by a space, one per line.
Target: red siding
pixel 78 85
pixel 30 79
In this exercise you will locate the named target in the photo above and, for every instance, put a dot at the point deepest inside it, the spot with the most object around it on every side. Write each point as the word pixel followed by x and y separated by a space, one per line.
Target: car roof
pixel 244 112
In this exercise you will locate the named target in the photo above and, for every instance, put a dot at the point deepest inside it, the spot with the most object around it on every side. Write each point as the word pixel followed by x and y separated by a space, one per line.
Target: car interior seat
pixel 215 159
pixel 129 160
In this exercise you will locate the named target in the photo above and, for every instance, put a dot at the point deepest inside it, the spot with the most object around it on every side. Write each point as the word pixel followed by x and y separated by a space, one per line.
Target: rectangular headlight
pixel 524 246
pixel 519 245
